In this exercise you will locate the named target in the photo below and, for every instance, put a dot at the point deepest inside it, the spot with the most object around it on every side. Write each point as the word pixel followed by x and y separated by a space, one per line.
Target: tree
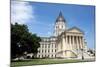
pixel 23 41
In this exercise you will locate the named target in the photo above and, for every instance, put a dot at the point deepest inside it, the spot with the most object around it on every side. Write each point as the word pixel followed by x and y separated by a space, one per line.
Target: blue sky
pixel 40 18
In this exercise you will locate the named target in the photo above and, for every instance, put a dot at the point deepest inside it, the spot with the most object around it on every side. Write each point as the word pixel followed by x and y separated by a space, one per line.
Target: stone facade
pixel 70 43
pixel 47 48
pixel 65 43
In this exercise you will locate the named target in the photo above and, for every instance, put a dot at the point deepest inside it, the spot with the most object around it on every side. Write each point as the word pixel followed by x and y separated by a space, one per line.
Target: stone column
pixel 69 46
pixel 73 43
pixel 82 43
pixel 64 45
pixel 58 46
pixel 77 42
pixel 80 46
pixel 61 46
pixel 66 42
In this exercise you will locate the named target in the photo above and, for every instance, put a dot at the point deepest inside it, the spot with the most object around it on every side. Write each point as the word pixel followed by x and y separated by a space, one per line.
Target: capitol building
pixel 64 43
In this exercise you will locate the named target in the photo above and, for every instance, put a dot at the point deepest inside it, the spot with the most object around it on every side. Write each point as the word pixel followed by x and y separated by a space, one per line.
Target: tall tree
pixel 23 41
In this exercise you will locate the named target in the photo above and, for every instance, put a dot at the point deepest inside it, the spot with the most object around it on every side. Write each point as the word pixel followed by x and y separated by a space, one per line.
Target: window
pixel 48 51
pixel 45 51
pixel 42 51
pixel 52 55
pixel 52 45
pixel 47 55
pixel 52 50
pixel 48 45
pixel 55 50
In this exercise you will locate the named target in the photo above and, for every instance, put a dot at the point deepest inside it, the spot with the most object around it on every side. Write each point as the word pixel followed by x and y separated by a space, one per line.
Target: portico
pixel 69 43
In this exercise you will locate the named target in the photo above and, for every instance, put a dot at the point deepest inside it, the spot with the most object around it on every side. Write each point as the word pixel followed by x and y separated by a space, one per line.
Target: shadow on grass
pixel 21 60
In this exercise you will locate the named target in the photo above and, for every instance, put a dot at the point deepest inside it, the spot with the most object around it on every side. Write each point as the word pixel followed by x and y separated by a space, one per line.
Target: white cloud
pixel 21 12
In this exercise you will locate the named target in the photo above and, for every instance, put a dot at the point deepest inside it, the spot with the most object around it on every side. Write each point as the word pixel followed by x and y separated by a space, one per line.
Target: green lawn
pixel 42 62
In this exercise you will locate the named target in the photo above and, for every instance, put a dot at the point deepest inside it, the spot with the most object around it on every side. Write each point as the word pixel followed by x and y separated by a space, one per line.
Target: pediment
pixel 75 29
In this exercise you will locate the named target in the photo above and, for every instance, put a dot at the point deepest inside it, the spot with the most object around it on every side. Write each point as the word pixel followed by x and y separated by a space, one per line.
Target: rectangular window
pixel 52 45
pixel 42 51
pixel 48 51
pixel 52 56
pixel 45 51
pixel 52 50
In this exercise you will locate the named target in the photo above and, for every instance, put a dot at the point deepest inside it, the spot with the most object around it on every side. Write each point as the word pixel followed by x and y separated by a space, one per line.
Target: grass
pixel 42 62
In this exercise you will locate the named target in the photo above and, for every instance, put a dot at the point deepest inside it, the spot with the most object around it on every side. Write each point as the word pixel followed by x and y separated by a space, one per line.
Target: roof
pixel 75 28
pixel 60 17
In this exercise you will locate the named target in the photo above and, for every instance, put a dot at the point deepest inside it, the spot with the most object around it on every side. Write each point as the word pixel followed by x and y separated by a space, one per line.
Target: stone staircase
pixel 79 54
